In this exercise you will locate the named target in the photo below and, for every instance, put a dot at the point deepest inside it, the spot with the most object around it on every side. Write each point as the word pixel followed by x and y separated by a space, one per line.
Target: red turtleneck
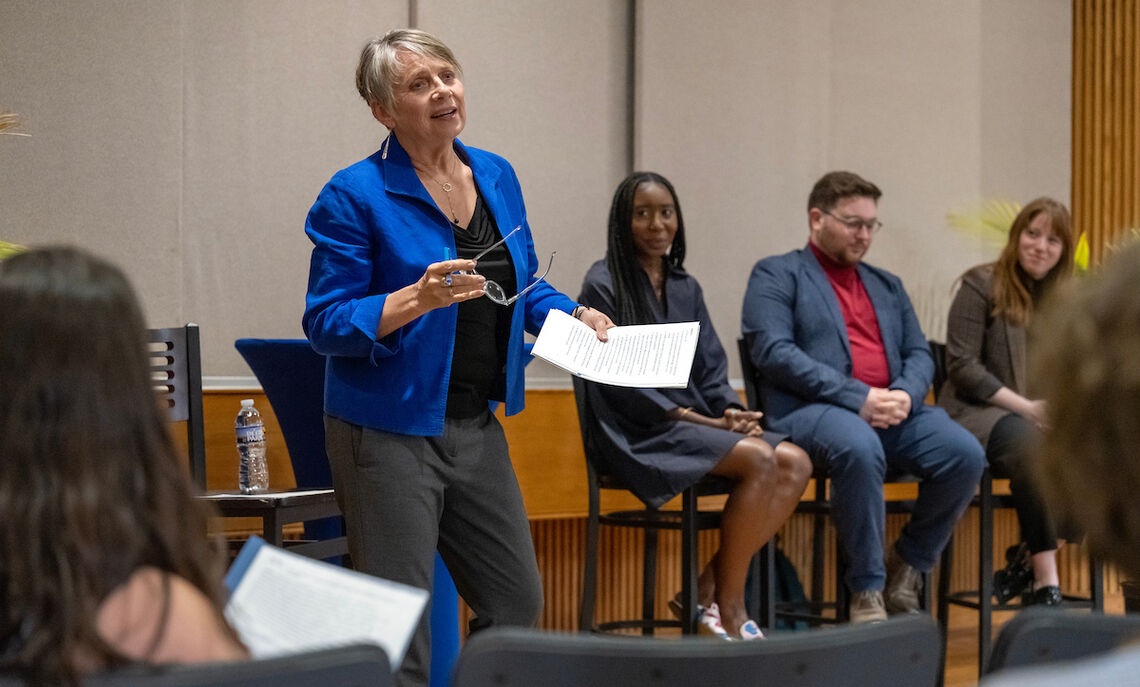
pixel 868 357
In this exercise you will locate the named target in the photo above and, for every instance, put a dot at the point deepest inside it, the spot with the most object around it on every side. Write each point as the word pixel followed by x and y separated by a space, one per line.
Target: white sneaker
pixel 709 624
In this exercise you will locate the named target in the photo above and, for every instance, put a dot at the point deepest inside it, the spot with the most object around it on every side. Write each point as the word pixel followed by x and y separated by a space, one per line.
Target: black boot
pixel 1016 578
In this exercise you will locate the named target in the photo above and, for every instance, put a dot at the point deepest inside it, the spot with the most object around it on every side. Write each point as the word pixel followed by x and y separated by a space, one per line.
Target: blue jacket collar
pixel 400 177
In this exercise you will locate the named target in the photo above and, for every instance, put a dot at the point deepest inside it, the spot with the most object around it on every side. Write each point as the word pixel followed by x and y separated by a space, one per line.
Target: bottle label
pixel 251 433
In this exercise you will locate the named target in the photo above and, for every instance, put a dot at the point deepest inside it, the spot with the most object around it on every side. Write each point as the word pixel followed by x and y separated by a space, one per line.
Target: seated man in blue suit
pixel 846 370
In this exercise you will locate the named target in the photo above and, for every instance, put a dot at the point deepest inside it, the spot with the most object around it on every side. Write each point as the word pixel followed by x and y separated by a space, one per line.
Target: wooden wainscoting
pixel 547 453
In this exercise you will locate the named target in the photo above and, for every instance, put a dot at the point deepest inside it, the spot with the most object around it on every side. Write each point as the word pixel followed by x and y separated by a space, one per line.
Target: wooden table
pixel 280 508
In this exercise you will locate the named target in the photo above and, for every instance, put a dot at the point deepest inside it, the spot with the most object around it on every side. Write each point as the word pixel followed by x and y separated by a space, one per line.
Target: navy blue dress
pixel 657 456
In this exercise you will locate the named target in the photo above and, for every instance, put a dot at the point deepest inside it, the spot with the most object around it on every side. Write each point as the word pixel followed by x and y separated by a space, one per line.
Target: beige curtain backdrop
pixel 1106 121
pixel 187 139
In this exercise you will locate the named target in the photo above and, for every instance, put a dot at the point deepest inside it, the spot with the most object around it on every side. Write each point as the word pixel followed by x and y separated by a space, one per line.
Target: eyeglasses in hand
pixel 854 224
pixel 492 290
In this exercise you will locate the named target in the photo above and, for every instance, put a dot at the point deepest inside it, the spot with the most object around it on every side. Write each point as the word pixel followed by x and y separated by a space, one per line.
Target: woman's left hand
pixel 743 421
pixel 598 321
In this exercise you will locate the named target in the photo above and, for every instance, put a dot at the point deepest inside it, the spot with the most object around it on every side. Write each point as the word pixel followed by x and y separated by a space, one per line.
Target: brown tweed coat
pixel 983 354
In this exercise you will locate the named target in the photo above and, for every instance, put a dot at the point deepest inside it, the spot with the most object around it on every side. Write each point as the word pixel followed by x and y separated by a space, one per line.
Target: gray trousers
pixel 405 496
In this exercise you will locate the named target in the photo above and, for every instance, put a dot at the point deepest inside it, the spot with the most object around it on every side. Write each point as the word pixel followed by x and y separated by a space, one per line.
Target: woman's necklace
pixel 447 187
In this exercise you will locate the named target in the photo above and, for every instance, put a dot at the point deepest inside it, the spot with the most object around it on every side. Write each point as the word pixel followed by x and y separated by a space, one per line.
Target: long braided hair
pixel 621 257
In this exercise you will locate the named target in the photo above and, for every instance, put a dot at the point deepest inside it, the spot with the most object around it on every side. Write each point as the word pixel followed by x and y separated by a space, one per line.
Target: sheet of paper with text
pixel 282 603
pixel 649 355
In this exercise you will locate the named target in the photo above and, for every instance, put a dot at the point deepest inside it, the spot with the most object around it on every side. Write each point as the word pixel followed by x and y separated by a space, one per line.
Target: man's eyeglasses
pixel 492 290
pixel 854 224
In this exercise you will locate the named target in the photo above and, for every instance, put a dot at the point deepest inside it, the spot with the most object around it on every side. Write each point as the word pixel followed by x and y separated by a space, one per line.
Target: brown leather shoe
pixel 866 607
pixel 904 584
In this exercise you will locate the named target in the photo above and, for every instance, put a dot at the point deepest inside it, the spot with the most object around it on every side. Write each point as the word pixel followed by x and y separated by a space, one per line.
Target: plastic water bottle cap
pixel 247 403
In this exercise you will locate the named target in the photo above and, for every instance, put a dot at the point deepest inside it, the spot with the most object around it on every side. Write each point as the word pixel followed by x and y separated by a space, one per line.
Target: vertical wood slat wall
pixel 560 545
pixel 1106 121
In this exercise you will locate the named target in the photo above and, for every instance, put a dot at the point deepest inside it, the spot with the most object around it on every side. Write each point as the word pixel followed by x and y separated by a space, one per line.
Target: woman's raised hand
pixel 448 282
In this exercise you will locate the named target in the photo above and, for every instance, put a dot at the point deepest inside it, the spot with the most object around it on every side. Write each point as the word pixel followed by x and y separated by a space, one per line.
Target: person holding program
pixel 104 559
pixel 847 370
pixel 421 284
pixel 986 386
pixel 661 441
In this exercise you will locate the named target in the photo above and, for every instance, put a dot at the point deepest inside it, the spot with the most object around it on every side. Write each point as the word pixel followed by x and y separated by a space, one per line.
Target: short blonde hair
pixel 1088 366
pixel 380 68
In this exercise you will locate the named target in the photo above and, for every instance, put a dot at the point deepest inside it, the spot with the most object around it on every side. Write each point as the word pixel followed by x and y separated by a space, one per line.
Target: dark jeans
pixel 928 444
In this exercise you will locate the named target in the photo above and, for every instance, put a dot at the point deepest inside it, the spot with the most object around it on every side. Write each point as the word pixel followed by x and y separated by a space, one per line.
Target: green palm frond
pixel 1081 254
pixel 9 120
pixel 989 221
pixel 8 249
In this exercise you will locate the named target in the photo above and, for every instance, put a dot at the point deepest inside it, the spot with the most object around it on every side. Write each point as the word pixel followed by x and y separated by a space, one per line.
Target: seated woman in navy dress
pixel 661 441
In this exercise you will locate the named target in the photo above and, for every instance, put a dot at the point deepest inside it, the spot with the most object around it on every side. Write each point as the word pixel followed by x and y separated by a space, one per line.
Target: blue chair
pixel 292 375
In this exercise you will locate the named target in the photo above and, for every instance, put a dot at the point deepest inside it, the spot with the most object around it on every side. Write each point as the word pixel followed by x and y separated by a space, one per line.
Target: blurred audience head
pixel 90 487
pixel 1088 361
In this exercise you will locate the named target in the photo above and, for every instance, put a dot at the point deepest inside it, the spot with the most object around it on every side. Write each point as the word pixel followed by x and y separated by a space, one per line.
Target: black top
pixel 478 364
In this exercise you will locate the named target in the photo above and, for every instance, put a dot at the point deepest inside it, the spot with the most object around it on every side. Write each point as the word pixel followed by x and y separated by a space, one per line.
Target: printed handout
pixel 650 355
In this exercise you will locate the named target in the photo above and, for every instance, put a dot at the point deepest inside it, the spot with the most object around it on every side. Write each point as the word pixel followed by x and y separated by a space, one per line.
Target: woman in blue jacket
pixel 406 245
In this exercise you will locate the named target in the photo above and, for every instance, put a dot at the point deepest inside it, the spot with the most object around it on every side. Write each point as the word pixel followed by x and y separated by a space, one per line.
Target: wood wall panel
pixel 547 453
pixel 1106 121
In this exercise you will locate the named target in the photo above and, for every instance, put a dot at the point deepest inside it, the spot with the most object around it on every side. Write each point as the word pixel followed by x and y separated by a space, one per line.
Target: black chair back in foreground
pixel 1043 635
pixel 901 651
pixel 361 665
pixel 176 368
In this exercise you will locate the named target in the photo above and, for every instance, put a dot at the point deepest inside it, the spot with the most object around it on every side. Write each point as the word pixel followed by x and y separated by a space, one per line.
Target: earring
pixel 384 147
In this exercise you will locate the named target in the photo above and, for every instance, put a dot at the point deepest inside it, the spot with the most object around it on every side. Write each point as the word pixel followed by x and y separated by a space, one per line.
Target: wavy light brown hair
pixel 1015 292
pixel 90 487
pixel 1089 373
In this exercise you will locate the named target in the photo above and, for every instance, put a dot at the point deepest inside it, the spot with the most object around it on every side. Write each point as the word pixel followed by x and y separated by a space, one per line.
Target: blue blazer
pixel 799 339
pixel 375 230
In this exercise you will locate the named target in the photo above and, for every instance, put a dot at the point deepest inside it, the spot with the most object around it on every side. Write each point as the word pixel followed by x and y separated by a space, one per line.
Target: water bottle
pixel 253 472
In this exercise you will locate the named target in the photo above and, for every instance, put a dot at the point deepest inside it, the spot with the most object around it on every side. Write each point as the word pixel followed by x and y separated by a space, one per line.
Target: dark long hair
pixel 90 487
pixel 1014 291
pixel 621 257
